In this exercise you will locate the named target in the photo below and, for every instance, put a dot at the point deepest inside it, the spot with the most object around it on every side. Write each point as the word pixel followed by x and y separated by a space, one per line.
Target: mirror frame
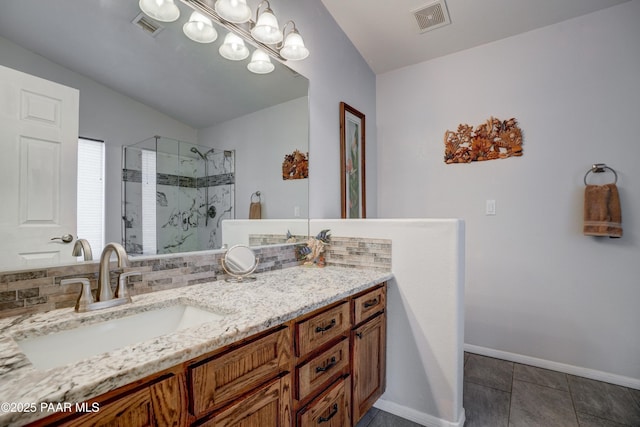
pixel 228 264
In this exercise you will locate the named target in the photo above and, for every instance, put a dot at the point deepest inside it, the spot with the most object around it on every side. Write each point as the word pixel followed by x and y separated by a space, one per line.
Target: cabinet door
pixel 330 409
pixel 161 404
pixel 268 406
pixel 369 364
pixel 228 376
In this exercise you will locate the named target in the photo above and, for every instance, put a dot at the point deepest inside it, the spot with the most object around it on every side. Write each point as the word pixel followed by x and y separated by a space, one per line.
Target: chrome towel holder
pixel 257 195
pixel 599 168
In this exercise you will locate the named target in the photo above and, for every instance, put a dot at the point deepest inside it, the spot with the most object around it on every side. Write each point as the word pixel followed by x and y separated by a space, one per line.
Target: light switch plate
pixel 490 207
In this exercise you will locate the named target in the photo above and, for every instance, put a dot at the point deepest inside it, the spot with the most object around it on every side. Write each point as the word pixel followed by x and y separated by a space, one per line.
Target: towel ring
pixel 256 194
pixel 598 168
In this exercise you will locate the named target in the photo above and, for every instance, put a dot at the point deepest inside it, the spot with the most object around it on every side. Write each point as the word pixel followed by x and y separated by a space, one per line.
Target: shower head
pixel 196 151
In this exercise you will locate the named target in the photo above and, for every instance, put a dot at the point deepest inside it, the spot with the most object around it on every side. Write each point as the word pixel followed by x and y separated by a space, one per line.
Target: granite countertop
pixel 248 308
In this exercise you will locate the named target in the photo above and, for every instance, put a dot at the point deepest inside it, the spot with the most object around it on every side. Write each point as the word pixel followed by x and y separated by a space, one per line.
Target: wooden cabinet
pixel 326 368
pixel 331 409
pixel 267 406
pixel 321 328
pixel 223 377
pixel 369 360
pixel 163 403
pixel 322 369
pixel 368 349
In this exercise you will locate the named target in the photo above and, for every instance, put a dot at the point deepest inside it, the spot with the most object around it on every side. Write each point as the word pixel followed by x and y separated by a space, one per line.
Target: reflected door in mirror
pixel 38 138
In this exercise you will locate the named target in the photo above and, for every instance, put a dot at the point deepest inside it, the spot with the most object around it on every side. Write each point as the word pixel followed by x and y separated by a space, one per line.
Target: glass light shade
pixel 260 63
pixel 294 48
pixel 200 29
pixel 266 29
pixel 160 10
pixel 233 48
pixel 235 11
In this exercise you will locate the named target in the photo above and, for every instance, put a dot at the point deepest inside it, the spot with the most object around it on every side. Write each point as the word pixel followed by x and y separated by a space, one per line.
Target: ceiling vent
pixel 147 24
pixel 431 16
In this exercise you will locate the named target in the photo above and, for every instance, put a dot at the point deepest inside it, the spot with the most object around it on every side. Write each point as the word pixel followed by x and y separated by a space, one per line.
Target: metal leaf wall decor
pixel 295 166
pixel 494 139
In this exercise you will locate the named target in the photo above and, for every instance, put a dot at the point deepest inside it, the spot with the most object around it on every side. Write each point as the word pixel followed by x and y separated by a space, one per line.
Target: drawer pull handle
pixel 334 411
pixel 326 328
pixel 371 303
pixel 328 366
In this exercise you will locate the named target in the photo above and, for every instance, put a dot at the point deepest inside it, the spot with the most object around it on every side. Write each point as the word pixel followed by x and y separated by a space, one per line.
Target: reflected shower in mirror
pixel 175 196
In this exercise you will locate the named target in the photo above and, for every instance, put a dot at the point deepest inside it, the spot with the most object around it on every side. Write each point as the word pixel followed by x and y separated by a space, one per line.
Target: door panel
pixel 38 169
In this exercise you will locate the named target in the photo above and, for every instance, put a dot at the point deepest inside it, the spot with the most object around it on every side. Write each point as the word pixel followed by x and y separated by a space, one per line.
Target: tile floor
pixel 500 393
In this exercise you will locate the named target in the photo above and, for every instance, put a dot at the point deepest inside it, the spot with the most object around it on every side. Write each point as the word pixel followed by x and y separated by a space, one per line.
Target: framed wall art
pixel 352 162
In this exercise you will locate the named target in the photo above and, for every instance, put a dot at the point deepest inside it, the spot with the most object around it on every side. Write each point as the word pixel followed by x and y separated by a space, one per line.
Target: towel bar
pixel 598 168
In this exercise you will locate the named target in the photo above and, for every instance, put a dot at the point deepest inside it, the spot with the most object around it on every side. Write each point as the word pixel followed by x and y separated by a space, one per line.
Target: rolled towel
pixel 602 213
pixel 255 210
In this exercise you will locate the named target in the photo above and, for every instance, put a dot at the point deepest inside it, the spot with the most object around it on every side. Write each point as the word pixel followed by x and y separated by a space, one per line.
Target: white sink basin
pixel 64 347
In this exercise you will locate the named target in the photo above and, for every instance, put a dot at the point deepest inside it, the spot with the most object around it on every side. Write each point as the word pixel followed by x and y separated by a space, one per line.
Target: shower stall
pixel 175 195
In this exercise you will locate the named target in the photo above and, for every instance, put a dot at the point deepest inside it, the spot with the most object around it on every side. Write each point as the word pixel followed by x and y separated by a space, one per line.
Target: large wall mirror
pixel 206 122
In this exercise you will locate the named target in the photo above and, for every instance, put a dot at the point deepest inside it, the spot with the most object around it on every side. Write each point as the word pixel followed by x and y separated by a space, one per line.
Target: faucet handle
pixel 85 298
pixel 121 291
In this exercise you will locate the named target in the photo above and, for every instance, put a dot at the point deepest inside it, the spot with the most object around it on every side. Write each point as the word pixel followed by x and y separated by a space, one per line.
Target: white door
pixel 38 164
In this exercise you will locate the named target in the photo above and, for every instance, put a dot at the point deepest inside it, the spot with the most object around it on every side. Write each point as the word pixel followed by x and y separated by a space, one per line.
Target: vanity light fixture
pixel 260 63
pixel 266 29
pixel 160 10
pixel 293 47
pixel 235 11
pixel 233 48
pixel 200 29
pixel 235 15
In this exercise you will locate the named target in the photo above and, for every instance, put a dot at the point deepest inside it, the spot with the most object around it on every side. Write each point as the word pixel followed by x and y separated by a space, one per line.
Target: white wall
pixel 258 165
pixel 537 290
pixel 106 115
pixel 336 73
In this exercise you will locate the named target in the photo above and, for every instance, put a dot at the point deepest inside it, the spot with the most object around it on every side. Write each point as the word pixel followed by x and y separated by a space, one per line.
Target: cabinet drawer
pixel 331 409
pixel 322 328
pixel 369 304
pixel 322 368
pixel 231 374
pixel 267 406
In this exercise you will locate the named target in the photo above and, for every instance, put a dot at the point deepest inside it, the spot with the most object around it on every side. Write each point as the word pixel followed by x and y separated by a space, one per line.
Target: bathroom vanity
pixel 298 346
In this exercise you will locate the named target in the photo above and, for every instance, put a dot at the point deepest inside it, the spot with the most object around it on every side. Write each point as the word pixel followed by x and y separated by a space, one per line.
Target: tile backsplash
pixel 39 290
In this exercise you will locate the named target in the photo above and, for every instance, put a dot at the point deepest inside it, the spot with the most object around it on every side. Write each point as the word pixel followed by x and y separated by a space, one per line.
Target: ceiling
pixel 388 37
pixel 181 78
pixel 188 81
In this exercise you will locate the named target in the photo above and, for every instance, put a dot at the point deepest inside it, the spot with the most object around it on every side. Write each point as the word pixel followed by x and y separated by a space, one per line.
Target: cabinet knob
pixel 328 366
pixel 371 303
pixel 326 328
pixel 334 411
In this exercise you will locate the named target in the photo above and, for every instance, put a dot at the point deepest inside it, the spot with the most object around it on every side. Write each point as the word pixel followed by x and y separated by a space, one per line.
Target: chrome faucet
pixel 104 295
pixel 82 247
pixel 104 286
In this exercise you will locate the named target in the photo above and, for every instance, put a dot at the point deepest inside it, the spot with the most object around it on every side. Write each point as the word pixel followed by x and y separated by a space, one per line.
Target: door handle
pixel 66 238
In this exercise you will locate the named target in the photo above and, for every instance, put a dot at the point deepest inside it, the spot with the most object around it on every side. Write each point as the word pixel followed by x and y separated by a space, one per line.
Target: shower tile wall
pixel 184 220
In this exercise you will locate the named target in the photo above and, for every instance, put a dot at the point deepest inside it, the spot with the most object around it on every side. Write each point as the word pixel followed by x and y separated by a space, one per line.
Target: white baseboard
pixel 416 416
pixel 555 366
